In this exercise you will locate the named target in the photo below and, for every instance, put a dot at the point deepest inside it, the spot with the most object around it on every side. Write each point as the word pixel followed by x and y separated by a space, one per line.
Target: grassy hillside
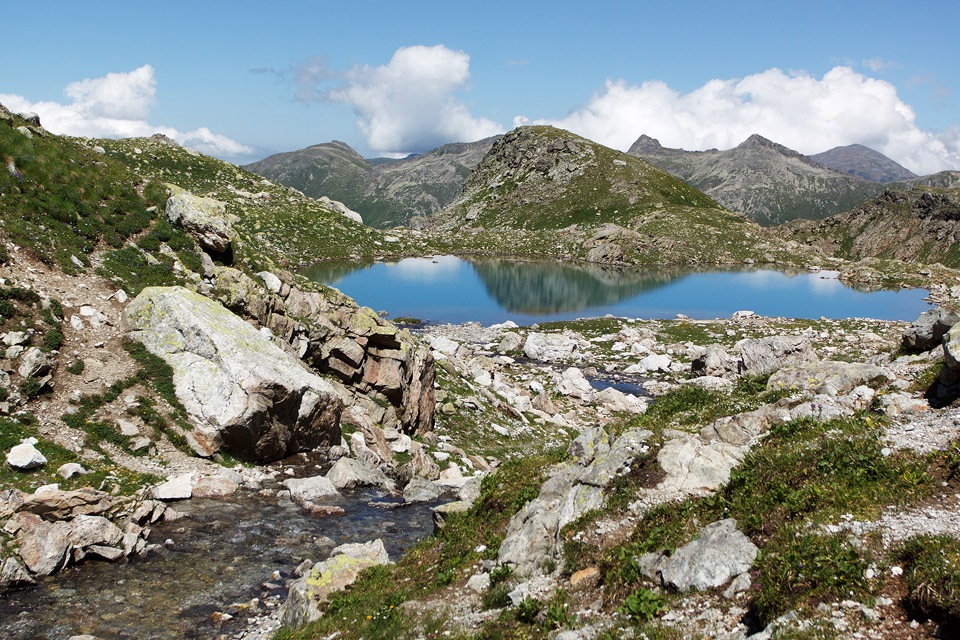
pixel 921 225
pixel 545 191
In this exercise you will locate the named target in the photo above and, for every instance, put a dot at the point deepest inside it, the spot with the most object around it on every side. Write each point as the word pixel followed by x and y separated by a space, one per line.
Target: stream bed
pixel 222 557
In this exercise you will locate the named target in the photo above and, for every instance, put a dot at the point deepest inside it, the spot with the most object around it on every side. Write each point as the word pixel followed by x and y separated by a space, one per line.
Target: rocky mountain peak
pixel 756 142
pixel 645 144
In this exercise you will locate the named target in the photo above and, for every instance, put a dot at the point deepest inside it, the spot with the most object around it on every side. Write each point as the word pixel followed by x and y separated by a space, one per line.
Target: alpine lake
pixel 448 289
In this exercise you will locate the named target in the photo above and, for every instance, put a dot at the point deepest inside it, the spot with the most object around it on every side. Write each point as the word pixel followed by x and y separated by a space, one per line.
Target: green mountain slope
pixel 386 193
pixel 580 199
pixel 919 225
pixel 276 223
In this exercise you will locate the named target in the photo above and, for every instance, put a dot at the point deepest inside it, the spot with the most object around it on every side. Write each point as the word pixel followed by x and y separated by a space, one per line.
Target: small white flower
pixel 896 570
pixel 481 548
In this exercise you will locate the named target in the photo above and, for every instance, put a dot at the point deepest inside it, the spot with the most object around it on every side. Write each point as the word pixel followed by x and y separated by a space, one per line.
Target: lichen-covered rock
pixel 829 377
pixel 244 394
pixel 719 554
pixel 204 218
pixel 327 577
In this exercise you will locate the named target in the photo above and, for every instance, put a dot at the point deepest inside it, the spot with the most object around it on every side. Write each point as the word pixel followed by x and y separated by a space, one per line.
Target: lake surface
pixel 449 289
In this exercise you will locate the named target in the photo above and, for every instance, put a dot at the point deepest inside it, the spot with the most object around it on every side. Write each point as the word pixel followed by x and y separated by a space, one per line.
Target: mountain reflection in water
pixel 449 289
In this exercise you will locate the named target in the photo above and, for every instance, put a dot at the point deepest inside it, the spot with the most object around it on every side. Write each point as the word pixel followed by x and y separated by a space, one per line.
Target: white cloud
pixel 408 105
pixel 800 111
pixel 117 105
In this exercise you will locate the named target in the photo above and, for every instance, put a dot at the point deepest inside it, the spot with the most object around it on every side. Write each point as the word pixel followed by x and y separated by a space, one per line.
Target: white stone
pixel 25 456
pixel 176 488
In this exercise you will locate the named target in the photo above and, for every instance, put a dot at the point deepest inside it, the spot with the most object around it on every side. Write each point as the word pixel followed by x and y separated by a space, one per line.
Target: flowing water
pixel 221 556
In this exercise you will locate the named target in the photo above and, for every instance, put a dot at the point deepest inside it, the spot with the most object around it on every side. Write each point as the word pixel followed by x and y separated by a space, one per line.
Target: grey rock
pixel 327 577
pixel 510 342
pixel 87 530
pixel 573 383
pixel 204 218
pixel 719 554
pixel 549 347
pixel 440 512
pixel 243 393
pixel 13 573
pixel 35 363
pixel 605 468
pixel 349 473
pixel 713 361
pixel 45 548
pixel 70 469
pixel 310 489
pixel 421 490
pixel 760 356
pixel 479 582
pixel 618 401
pixel 692 464
pixel 176 488
pixel 928 330
pixel 63 505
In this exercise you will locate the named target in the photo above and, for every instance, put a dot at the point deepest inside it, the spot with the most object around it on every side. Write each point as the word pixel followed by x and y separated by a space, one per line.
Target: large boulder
pixel 390 374
pixel 244 394
pixel 25 456
pixel 760 356
pixel 928 330
pixel 550 347
pixel 205 219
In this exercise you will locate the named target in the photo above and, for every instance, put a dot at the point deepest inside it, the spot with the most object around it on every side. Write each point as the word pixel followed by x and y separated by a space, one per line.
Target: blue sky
pixel 242 80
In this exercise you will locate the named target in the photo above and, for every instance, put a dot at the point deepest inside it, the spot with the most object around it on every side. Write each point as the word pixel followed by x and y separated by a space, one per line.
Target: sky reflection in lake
pixel 448 289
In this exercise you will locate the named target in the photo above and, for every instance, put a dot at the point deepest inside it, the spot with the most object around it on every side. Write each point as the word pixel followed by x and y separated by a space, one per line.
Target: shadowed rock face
pixel 244 394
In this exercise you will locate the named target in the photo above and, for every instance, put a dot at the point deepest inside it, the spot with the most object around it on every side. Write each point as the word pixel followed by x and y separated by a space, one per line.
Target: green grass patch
pixel 931 565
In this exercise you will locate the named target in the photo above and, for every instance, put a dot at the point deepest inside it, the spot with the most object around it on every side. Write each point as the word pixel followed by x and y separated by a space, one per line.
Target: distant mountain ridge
pixel 385 192
pixel 766 181
pixel 858 160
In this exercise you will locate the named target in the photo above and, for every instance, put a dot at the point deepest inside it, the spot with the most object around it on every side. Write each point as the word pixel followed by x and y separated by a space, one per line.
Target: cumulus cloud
pixel 410 104
pixel 117 105
pixel 798 110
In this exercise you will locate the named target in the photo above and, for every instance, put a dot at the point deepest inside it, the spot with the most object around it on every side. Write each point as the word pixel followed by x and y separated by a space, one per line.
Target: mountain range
pixel 762 179
pixel 385 192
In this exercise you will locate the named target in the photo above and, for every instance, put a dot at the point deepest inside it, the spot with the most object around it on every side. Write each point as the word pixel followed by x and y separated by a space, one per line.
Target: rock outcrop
pixel 532 539
pixel 389 375
pixel 207 220
pixel 244 394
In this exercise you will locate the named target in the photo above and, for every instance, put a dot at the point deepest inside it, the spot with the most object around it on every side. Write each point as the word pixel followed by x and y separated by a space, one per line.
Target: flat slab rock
pixel 721 553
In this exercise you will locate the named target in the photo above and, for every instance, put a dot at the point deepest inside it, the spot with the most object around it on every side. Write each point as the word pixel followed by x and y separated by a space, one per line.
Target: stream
pixel 222 557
